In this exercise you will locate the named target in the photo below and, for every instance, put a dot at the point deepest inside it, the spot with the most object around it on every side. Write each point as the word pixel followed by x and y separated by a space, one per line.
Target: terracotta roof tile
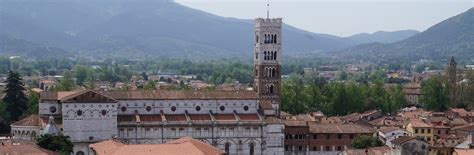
pixel 150 118
pixel 225 117
pixel 464 151
pixel 273 120
pixel 32 120
pixel 249 117
pixel 466 128
pixel 339 128
pixel 21 148
pixel 389 129
pixel 183 146
pixel 295 123
pixel 419 124
pixel 200 117
pixel 179 95
pixel 402 140
pixel 176 117
pixel 461 112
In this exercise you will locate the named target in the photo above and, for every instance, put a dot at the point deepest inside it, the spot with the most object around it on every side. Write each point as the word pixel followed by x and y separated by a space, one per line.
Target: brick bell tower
pixel 267 64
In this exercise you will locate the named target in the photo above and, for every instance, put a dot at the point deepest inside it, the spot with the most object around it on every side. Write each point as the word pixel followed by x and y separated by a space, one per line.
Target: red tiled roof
pixel 175 117
pixel 464 151
pixel 23 149
pixel 200 117
pixel 179 95
pixel 339 128
pixel 249 117
pixel 225 117
pixel 389 129
pixel 150 118
pixel 461 112
pixel 419 124
pixel 402 139
pixel 32 120
pixel 158 95
pixel 273 120
pixel 466 128
pixel 295 123
pixel 185 145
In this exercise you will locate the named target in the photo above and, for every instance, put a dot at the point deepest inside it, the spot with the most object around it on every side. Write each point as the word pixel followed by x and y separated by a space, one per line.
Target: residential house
pixel 410 145
pixel 296 136
pixel 388 134
pixel 465 131
pixel 421 130
pixel 383 150
pixel 334 138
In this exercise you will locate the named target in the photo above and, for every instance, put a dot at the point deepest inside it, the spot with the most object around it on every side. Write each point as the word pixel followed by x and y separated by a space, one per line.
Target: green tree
pixel 90 79
pixel 396 100
pixel 364 142
pixel 151 85
pixel 293 96
pixel 435 94
pixel 57 143
pixel 33 103
pixel 81 73
pixel 15 97
pixel 4 117
pixel 67 82
pixel 468 90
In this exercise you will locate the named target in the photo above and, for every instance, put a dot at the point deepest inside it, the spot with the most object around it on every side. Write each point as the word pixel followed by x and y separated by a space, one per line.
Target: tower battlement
pixel 268 22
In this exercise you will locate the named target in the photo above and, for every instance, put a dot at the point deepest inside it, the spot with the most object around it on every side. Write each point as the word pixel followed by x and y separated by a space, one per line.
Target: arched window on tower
pixel 256 37
pixel 271 55
pixel 275 56
pixel 227 148
pixel 251 149
pixel 276 39
pixel 271 89
pixel 273 38
pixel 273 72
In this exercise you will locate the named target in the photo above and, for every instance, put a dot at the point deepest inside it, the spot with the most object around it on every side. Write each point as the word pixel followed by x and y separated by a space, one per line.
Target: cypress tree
pixel 15 97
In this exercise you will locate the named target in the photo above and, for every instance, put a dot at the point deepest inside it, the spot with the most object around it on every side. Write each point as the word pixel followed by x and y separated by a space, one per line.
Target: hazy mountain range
pixel 451 37
pixel 146 28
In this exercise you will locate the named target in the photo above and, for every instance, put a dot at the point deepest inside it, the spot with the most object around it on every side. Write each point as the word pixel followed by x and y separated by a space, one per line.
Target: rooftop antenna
pixel 268 9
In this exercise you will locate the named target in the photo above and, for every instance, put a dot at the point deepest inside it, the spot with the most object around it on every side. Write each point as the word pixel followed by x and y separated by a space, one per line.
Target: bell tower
pixel 267 63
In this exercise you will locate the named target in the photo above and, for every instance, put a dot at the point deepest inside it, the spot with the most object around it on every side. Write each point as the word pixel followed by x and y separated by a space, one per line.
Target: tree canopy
pixel 435 94
pixel 15 98
pixel 57 143
pixel 364 142
pixel 300 95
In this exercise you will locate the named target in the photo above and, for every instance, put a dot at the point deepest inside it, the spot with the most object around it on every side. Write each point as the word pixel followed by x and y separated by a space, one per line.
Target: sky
pixel 341 17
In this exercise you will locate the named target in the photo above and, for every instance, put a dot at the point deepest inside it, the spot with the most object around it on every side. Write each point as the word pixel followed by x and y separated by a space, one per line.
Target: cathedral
pixel 237 122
